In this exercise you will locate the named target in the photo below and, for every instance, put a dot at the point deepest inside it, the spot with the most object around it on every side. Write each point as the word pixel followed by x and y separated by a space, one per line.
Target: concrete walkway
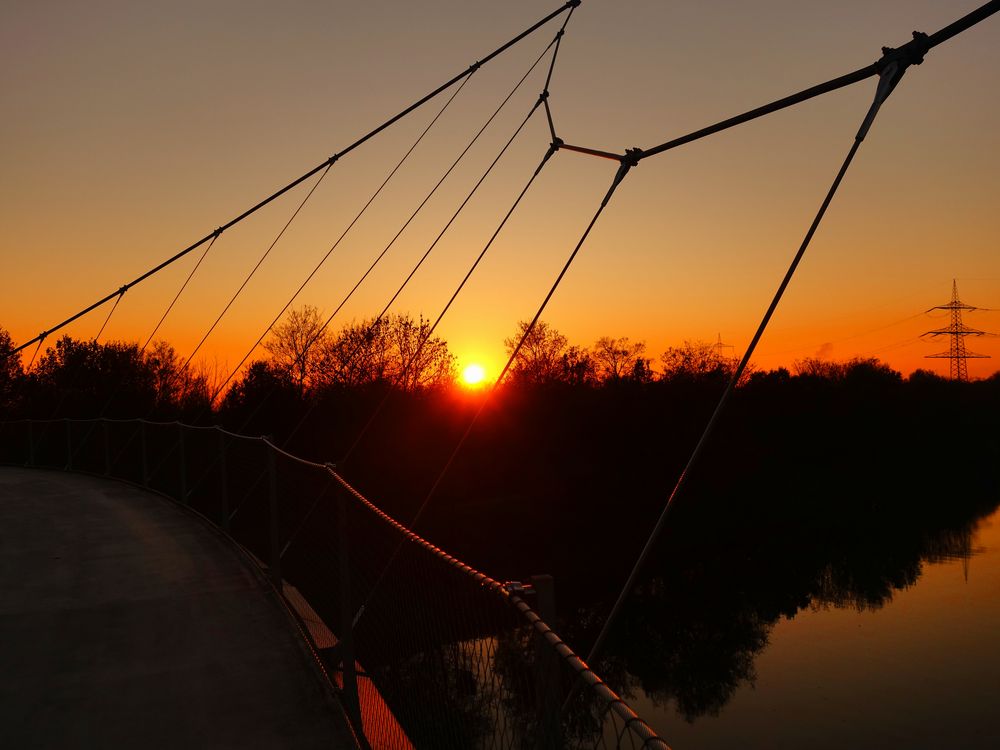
pixel 125 622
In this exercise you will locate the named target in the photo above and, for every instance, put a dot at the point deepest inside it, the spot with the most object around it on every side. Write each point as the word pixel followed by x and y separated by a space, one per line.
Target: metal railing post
pixel 145 460
pixel 349 674
pixel 31 443
pixel 69 445
pixel 182 463
pixel 272 472
pixel 223 482
pixel 107 448
pixel 546 667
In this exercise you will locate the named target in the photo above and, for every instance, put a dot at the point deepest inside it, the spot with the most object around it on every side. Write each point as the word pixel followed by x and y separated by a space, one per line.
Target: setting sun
pixel 473 375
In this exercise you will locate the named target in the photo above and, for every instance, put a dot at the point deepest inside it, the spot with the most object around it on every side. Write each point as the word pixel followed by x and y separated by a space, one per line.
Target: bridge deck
pixel 124 622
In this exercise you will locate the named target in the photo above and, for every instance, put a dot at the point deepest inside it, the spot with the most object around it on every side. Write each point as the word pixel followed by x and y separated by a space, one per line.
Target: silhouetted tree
pixel 88 378
pixel 177 386
pixel 621 359
pixel 296 343
pixel 396 350
pixel 695 360
pixel 540 357
pixel 11 373
pixel 547 357
pixel 262 400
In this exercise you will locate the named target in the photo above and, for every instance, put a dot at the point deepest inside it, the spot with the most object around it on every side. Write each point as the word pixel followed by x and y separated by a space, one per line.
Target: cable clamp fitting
pixel 573 3
pixel 632 157
pixel 332 160
pixel 122 290
pixel 217 232
pixel 543 96
pixel 475 66
pixel 557 143
pixel 911 53
pixel 516 588
pixel 891 67
pixel 894 62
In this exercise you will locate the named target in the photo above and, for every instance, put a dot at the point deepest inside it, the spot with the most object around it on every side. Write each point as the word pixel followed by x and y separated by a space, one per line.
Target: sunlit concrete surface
pixel 126 622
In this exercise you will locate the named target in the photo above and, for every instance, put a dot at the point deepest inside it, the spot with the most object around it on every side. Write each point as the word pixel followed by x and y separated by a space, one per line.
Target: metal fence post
pixel 546 667
pixel 182 463
pixel 142 440
pixel 346 635
pixel 272 472
pixel 69 445
pixel 107 447
pixel 31 443
pixel 223 482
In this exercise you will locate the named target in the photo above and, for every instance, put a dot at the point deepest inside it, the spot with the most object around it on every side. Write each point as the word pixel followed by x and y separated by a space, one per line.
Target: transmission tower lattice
pixel 957 330
pixel 720 348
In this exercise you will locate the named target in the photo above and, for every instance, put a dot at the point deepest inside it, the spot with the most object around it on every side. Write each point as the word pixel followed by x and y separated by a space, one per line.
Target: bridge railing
pixel 425 650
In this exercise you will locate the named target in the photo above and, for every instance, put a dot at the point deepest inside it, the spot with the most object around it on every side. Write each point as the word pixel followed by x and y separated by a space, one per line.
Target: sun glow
pixel 473 375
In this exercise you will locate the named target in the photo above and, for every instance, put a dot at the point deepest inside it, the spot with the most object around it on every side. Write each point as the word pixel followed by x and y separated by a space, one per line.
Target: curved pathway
pixel 126 622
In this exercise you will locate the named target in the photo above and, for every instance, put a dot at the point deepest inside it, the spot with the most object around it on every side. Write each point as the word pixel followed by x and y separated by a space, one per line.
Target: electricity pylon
pixel 957 330
pixel 719 347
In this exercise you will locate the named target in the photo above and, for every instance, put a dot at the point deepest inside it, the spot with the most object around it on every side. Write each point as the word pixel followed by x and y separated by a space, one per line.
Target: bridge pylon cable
pixel 385 310
pixel 430 332
pixel 354 221
pixel 381 255
pixel 568 6
pixel 888 78
pixel 118 299
pixel 180 291
pixel 257 265
pixel 627 163
pixel 326 324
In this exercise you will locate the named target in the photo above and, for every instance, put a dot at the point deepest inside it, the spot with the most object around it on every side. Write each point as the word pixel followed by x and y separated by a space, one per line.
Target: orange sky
pixel 131 130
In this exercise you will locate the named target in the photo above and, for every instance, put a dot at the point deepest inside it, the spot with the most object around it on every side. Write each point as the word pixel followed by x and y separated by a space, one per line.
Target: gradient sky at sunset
pixel 132 129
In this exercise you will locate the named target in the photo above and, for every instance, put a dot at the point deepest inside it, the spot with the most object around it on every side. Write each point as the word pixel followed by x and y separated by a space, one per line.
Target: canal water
pixel 921 670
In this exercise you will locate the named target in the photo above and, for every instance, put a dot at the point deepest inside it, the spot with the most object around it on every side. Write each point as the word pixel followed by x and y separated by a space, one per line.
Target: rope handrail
pixel 577 664
pixel 509 592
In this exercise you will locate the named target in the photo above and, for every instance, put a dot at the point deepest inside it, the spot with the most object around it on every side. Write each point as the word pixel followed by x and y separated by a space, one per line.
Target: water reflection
pixel 691 635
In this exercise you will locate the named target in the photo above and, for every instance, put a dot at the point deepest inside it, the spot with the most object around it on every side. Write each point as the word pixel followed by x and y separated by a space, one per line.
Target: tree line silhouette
pixel 305 361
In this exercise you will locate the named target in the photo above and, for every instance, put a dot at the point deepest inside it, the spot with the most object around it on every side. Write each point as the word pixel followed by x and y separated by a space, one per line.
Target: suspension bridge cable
pixel 41 339
pixel 913 50
pixel 551 150
pixel 179 292
pixel 385 250
pixel 121 293
pixel 315 337
pixel 121 382
pixel 329 162
pixel 353 222
pixel 430 332
pixel 454 216
pixel 301 205
pixel 356 218
pixel 257 266
pixel 627 163
pixel 889 77
pixel 381 255
pixel 381 316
